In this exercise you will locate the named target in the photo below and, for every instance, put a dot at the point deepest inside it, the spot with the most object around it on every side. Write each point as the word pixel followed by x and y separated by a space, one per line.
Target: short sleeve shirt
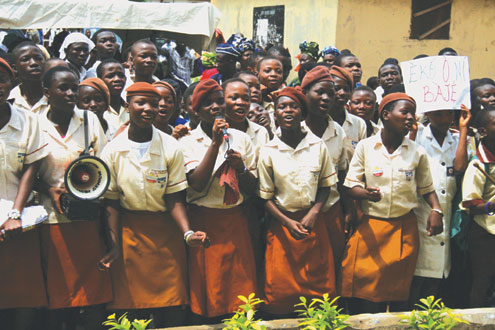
pixel 20 102
pixel 355 131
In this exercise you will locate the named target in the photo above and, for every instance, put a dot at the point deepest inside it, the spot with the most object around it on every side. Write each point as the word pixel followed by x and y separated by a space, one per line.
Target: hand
pixel 465 117
pixel 11 227
pixel 234 158
pixel 373 194
pixel 350 222
pixel 413 132
pixel 180 131
pixel 296 229
pixel 55 193
pixel 198 238
pixel 434 224
pixel 308 221
pixel 105 262
pixel 217 133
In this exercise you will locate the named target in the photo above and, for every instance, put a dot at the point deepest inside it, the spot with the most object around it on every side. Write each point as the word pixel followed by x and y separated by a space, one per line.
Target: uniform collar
pixel 15 120
pixel 429 135
pixel 484 155
pixel 18 98
pixel 122 142
pixel 76 121
pixel 377 142
pixel 252 129
pixel 307 141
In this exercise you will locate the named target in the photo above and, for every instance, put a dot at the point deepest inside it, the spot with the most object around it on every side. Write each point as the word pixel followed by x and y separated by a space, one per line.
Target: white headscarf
pixel 73 38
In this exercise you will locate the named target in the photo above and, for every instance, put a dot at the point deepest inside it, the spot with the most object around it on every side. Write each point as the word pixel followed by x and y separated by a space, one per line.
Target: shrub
pixel 124 324
pixel 243 318
pixel 321 314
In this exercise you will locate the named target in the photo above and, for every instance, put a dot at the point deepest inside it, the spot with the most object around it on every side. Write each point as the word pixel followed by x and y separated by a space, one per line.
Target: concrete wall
pixel 377 29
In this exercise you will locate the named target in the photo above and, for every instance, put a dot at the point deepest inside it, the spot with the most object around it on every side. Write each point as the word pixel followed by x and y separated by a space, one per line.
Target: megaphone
pixel 87 178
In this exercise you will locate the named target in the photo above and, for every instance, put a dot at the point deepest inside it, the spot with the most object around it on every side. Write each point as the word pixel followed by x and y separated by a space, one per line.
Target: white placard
pixel 437 82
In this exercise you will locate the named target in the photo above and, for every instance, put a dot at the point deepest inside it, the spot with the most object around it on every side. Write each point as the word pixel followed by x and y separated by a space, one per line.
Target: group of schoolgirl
pixel 166 195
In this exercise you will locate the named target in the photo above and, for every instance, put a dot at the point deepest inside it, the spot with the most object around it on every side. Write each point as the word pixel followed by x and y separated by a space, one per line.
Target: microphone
pixel 224 131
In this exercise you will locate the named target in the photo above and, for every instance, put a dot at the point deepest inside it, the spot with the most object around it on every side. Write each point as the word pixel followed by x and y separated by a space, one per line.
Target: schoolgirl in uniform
pixel 21 149
pixel 270 73
pixel 219 173
pixel 113 75
pixel 363 105
pixel 386 173
pixel 296 174
pixel 166 106
pixel 147 215
pixel 70 249
pixel 317 85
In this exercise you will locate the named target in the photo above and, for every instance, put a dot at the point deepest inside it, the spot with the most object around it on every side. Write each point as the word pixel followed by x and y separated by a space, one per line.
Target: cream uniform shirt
pixel 194 147
pixel 334 138
pixel 291 177
pixel 141 184
pixel 20 102
pixel 400 176
pixel 64 150
pixel 434 251
pixel 21 143
pixel 355 131
pixel 259 136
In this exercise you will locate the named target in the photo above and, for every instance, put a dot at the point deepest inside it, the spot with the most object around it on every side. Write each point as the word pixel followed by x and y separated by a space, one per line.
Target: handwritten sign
pixel 437 82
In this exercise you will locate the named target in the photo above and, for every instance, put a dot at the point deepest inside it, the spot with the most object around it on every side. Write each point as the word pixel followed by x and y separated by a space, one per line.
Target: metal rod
pixel 492 180
pixel 435 29
pixel 428 10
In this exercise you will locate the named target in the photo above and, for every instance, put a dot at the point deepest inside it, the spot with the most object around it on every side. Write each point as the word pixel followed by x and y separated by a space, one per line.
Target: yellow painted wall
pixel 311 20
pixel 377 29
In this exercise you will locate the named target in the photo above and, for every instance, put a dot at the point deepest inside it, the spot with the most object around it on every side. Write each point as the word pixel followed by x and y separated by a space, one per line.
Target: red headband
pixel 202 90
pixel 165 84
pixel 99 85
pixel 394 97
pixel 343 74
pixel 142 89
pixel 5 67
pixel 297 96
pixel 317 74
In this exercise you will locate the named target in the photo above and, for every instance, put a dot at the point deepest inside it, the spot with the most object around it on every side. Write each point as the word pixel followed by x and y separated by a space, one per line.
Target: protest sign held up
pixel 437 82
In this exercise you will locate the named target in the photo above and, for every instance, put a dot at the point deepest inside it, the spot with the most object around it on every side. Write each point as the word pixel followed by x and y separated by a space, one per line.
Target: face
pixel 254 87
pixel 187 106
pixel 329 58
pixel 286 64
pixel 29 63
pixel 389 75
pixel 258 115
pixel 5 86
pixel 305 58
pixel 363 104
pixel 213 106
pixel 488 128
pixel 77 53
pixel 353 66
pixel 63 91
pixel 114 77
pixel 142 110
pixel 342 91
pixel 245 58
pixel 486 95
pixel 91 99
pixel 400 118
pixel 226 64
pixel 144 59
pixel 321 97
pixel 237 101
pixel 106 45
pixel 166 105
pixel 288 113
pixel 441 120
pixel 271 74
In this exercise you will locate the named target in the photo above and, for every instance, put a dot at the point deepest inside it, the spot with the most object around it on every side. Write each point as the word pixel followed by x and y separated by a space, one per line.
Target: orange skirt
pixel 225 270
pixel 297 268
pixel 334 220
pixel 380 259
pixel 70 252
pixel 151 269
pixel 21 276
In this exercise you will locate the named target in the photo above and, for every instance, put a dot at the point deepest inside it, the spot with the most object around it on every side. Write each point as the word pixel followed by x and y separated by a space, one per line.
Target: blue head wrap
pixel 330 50
pixel 228 49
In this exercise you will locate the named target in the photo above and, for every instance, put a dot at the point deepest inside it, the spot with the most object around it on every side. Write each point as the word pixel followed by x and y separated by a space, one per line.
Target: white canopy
pixel 192 23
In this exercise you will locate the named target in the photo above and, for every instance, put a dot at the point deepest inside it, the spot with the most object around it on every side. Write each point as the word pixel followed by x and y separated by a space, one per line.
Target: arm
pixel 434 224
pixel 111 228
pixel 308 221
pixel 461 161
pixel 347 204
pixel 296 228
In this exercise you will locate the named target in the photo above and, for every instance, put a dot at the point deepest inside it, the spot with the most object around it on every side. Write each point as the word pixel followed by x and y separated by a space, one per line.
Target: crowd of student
pixel 238 183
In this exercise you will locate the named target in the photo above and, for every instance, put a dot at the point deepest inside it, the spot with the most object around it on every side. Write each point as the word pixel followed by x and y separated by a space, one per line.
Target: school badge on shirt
pixel 377 172
pixel 20 157
pixel 450 171
pixel 157 176
pixel 408 174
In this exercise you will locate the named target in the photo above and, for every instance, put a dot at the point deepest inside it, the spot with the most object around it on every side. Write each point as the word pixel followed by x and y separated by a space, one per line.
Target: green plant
pixel 122 323
pixel 321 314
pixel 432 316
pixel 243 318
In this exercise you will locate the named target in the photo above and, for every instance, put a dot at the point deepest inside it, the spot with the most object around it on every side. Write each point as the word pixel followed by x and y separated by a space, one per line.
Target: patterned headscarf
pixel 209 59
pixel 310 48
pixel 228 49
pixel 330 50
pixel 241 43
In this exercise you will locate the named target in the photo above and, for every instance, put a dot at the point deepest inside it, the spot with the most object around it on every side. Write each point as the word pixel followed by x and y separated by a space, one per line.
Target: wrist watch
pixel 438 211
pixel 14 214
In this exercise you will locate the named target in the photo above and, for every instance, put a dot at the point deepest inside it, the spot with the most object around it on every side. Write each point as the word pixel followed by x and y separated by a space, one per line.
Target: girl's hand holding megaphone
pixel 55 193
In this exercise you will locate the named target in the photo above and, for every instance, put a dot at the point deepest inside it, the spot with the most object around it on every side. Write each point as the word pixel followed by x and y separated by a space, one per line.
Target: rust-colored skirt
pixel 380 259
pixel 151 269
pixel 225 270
pixel 334 219
pixel 297 268
pixel 21 276
pixel 70 252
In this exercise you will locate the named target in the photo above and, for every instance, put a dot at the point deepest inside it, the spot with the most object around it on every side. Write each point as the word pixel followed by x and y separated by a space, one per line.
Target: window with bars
pixel 430 19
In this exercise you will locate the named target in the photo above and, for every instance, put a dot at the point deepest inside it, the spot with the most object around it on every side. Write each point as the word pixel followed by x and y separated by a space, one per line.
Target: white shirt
pixel 20 102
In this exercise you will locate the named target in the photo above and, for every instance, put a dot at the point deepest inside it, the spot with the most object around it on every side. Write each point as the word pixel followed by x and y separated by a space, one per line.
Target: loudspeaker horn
pixel 87 178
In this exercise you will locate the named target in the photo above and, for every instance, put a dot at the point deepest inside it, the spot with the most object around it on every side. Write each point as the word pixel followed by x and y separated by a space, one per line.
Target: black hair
pixel 397 88
pixel 391 60
pixel 251 73
pixel 346 51
pixel 142 41
pixel 175 84
pixel 94 38
pixel 364 88
pixel 447 50
pixel 233 80
pixel 190 90
pixel 372 82
pixel 338 60
pixel 325 64
pixel 266 58
pixel 420 56
pixel 278 51
pixel 101 66
pixel 254 56
pixel 475 83
pixel 482 116
pixel 50 74
pixel 389 63
pixel 26 43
